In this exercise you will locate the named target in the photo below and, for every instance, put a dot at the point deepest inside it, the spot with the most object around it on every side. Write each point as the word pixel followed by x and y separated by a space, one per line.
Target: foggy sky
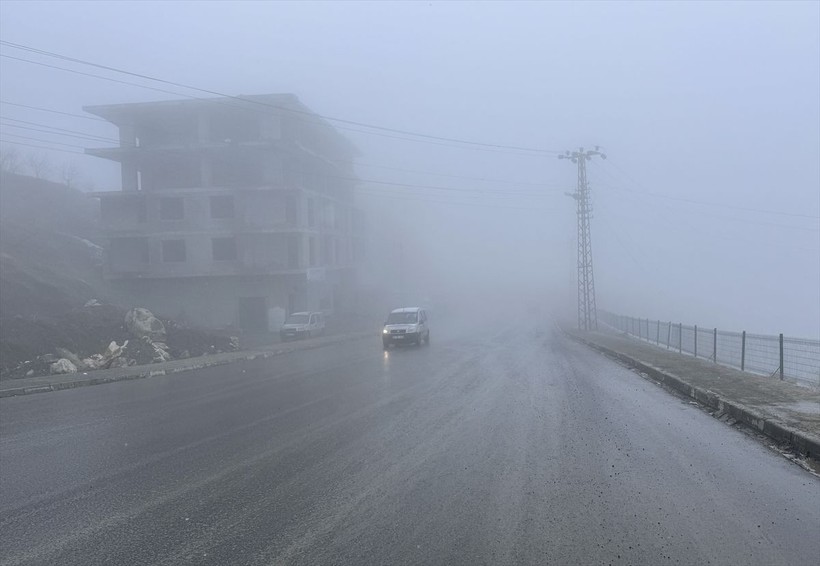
pixel 711 102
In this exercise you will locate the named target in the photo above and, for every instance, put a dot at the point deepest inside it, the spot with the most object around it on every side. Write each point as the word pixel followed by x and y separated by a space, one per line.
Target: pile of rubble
pixel 142 338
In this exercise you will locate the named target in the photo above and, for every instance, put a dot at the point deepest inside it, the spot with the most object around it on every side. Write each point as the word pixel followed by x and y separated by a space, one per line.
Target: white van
pixel 302 325
pixel 408 325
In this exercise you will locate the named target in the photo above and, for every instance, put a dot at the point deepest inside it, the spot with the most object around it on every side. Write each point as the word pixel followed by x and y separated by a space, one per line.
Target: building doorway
pixel 253 314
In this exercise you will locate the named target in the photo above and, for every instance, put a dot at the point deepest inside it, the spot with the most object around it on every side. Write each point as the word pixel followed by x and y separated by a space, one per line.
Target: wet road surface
pixel 497 446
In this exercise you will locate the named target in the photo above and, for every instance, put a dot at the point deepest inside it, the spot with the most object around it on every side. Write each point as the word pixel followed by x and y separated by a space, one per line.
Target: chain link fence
pixel 777 356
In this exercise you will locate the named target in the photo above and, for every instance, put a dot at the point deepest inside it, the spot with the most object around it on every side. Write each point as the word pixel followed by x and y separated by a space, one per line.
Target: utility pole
pixel 587 313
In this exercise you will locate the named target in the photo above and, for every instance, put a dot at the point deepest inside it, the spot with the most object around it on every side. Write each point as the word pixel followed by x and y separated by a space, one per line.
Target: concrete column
pixel 205 171
pixel 129 176
pixel 203 127
pixel 128 135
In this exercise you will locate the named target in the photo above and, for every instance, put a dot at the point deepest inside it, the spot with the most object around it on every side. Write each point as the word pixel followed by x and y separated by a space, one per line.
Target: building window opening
pixel 222 206
pixel 290 210
pixel 224 249
pixel 171 208
pixel 327 251
pixel 129 253
pixel 173 250
pixel 311 213
pixel 142 210
pixel 293 251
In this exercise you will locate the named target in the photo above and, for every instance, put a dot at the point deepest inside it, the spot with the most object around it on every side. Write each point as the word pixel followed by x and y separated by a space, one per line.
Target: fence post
pixel 714 345
pixel 640 328
pixel 781 357
pixel 743 351
pixel 668 334
pixel 696 340
pixel 658 336
pixel 680 338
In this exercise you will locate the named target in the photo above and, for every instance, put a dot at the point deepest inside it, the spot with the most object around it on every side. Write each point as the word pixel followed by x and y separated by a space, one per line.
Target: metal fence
pixel 776 356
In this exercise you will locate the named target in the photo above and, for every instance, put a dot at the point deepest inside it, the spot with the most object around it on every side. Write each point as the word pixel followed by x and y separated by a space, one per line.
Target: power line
pixel 247 109
pixel 495 196
pixel 94 118
pixel 55 131
pixel 631 195
pixel 426 199
pixel 689 229
pixel 496 193
pixel 95 76
pixel 624 246
pixel 707 203
pixel 41 147
pixel 370 165
pixel 480 179
pixel 440 188
pixel 278 107
pixel 80 135
pixel 42 140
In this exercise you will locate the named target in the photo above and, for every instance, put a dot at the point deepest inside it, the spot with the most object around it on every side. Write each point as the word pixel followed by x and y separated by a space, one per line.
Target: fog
pixel 706 210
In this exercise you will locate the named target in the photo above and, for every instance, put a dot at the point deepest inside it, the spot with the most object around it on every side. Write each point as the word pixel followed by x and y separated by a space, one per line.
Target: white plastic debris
pixel 141 322
pixel 62 366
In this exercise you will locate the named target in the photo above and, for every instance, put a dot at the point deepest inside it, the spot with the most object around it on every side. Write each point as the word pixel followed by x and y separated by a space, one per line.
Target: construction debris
pixel 101 336
pixel 62 366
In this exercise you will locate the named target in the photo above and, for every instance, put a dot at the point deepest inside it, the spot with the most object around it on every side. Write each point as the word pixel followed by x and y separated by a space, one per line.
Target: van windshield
pixel 402 318
pixel 297 319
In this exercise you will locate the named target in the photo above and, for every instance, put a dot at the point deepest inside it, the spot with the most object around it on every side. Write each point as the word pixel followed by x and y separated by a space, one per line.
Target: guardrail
pixel 773 355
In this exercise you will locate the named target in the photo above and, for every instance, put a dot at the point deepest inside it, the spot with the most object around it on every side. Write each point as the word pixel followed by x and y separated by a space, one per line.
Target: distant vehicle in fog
pixel 302 325
pixel 408 325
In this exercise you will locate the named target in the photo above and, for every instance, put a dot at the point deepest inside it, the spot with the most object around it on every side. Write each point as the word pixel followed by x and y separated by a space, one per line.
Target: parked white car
pixel 302 325
pixel 408 325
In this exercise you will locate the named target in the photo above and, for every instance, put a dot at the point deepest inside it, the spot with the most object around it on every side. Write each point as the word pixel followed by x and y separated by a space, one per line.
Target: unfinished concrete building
pixel 233 211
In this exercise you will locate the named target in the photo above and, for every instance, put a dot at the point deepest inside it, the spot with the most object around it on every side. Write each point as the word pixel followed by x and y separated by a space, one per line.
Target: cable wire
pixel 41 147
pixel 94 118
pixel 706 203
pixel 278 107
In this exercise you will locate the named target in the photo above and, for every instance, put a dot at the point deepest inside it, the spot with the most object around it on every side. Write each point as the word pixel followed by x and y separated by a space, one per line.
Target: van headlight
pixel 385 331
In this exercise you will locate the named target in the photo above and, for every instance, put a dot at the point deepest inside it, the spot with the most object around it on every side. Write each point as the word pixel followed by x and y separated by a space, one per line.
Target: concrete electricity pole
pixel 587 313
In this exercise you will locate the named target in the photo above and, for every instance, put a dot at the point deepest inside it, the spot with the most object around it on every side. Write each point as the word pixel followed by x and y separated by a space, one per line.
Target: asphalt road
pixel 494 446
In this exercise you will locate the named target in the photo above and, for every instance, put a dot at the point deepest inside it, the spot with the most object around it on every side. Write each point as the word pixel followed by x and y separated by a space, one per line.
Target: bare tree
pixel 70 174
pixel 39 164
pixel 10 161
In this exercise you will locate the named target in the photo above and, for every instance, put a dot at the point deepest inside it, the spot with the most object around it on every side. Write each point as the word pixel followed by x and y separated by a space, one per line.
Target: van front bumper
pixel 400 337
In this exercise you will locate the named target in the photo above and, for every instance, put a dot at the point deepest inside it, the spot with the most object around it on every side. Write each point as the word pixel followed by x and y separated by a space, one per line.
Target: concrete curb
pixel 803 443
pixel 152 370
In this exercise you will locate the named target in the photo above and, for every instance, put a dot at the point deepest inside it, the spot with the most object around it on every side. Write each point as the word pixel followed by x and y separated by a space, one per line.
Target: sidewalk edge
pixel 805 444
pixel 152 370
